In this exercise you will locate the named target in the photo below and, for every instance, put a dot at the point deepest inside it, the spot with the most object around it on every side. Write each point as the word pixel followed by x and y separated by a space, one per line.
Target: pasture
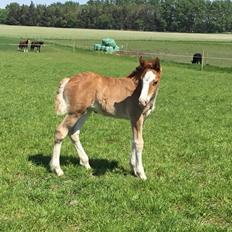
pixel 177 47
pixel 187 151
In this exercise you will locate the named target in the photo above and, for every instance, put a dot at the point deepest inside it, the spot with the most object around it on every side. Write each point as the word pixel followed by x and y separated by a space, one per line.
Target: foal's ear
pixel 156 64
pixel 141 61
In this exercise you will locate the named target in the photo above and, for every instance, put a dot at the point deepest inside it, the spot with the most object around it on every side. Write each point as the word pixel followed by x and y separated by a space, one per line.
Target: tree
pixel 3 16
pixel 147 15
pixel 13 15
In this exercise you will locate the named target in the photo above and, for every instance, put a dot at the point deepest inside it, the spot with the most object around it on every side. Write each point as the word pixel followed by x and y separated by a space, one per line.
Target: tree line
pixel 146 15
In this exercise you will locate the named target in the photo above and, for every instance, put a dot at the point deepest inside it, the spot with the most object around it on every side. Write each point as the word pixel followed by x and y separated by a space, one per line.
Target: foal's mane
pixel 135 72
pixel 152 64
pixel 138 71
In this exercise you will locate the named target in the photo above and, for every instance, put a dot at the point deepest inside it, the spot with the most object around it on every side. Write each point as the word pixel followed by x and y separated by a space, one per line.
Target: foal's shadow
pixel 99 166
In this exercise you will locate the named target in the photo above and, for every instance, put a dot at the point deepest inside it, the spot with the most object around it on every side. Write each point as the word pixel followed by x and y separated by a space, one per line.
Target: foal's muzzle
pixel 143 102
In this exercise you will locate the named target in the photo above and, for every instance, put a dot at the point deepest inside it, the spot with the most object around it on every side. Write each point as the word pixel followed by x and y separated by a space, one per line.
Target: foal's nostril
pixel 142 102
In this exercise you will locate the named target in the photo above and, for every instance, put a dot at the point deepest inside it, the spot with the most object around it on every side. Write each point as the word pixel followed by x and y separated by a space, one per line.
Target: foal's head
pixel 150 78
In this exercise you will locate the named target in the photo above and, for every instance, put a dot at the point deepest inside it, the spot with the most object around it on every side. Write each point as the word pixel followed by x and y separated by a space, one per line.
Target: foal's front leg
pixel 137 148
pixel 132 158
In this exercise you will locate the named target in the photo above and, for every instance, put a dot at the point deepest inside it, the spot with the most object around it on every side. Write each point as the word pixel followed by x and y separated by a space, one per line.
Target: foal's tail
pixel 61 106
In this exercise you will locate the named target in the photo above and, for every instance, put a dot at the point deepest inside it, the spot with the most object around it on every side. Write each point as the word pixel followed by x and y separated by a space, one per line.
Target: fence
pixel 206 60
pixel 217 55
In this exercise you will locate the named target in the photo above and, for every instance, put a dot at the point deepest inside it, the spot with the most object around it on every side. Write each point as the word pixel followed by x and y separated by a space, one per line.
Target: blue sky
pixel 3 3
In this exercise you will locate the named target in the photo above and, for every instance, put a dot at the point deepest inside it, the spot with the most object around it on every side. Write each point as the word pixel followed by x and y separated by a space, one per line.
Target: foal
pixel 132 97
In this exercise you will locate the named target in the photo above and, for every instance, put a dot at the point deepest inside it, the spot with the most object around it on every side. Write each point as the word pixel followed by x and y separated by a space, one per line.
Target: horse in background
pixel 36 45
pixel 132 98
pixel 23 45
pixel 197 58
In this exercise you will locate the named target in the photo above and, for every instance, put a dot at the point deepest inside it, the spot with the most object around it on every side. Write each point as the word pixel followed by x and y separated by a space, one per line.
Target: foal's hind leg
pixel 61 132
pixel 75 137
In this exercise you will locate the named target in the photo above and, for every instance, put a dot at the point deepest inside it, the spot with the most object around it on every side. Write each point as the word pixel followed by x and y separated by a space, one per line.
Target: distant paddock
pixel 177 47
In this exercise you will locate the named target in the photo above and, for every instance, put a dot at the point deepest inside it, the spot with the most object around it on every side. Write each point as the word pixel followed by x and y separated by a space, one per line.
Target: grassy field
pixel 187 155
pixel 178 47
pixel 69 33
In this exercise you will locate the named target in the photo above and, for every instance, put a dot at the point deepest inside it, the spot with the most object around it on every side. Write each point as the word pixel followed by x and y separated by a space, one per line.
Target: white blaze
pixel 148 78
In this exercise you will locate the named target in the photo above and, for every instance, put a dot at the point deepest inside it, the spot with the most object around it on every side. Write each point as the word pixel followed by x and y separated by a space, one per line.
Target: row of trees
pixel 145 15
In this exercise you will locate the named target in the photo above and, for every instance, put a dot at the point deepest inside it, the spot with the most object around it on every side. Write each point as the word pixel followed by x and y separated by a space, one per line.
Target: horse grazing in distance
pixel 197 58
pixel 23 45
pixel 36 45
pixel 132 98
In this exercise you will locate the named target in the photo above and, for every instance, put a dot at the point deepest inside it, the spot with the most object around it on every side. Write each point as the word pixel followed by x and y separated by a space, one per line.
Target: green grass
pixel 178 47
pixel 187 154
pixel 70 33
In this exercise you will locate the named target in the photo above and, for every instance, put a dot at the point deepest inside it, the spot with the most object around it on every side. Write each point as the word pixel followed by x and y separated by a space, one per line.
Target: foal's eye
pixel 155 83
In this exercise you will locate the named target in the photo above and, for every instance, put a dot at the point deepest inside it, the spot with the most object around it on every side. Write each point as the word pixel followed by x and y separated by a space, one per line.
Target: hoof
pixel 57 170
pixel 86 165
pixel 140 175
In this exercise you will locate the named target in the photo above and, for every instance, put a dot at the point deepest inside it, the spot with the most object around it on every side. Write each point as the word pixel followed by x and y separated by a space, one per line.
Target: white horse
pixel 132 97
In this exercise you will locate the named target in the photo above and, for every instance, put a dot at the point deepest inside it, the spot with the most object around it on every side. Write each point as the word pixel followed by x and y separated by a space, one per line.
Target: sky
pixel 3 3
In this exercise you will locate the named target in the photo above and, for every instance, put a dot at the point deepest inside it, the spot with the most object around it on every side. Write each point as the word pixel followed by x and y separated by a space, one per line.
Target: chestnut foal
pixel 132 97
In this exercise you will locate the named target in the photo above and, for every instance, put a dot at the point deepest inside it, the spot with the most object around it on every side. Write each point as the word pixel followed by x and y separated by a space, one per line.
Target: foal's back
pixel 103 94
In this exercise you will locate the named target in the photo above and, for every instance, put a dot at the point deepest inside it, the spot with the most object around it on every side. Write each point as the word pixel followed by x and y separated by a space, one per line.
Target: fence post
pixel 74 46
pixel 202 62
pixel 206 57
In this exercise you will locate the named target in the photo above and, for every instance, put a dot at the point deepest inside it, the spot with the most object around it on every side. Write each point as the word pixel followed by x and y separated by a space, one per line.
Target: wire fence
pixel 74 45
pixel 206 60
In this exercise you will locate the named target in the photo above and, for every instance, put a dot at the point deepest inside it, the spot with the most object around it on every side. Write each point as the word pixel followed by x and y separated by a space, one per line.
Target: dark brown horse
pixel 132 98
pixel 36 45
pixel 23 45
